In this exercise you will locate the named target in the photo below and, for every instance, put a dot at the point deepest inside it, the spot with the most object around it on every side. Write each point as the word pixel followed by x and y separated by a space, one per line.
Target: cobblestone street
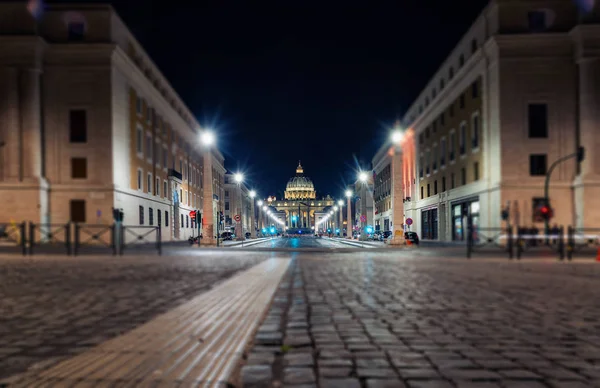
pixel 379 320
pixel 56 307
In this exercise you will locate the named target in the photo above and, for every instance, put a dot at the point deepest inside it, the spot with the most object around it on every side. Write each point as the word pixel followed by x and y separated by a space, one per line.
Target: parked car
pixel 413 237
pixel 227 236
pixel 194 239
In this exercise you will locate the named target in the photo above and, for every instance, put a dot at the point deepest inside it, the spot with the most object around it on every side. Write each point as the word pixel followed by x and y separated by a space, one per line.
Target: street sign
pixel 193 215
pixel 409 221
pixel 237 218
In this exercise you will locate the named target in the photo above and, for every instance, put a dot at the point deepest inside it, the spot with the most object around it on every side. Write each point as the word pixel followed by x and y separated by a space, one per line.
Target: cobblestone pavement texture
pixel 57 307
pixel 379 320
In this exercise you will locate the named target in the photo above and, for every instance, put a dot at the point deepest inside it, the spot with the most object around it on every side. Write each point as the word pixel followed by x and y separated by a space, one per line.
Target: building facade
pixel 90 124
pixel 300 202
pixel 519 92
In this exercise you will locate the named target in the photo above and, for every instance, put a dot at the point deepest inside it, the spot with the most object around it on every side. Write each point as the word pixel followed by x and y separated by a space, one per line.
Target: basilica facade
pixel 300 203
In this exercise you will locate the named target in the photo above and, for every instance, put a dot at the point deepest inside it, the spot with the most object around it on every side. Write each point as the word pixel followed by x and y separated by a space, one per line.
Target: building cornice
pixel 586 38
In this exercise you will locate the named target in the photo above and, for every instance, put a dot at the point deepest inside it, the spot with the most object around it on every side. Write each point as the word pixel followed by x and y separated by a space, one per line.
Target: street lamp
pixel 349 214
pixel 397 136
pixel 362 176
pixel 208 139
pixel 239 178
pixel 252 220
pixel 341 205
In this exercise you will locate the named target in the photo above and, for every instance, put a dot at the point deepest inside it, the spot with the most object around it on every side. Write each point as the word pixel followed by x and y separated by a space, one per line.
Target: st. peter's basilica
pixel 300 202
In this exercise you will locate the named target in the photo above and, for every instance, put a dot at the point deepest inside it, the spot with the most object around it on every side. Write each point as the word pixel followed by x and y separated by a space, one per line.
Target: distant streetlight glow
pixel 208 138
pixel 335 208
pixel 362 176
pixel 252 193
pixel 348 193
pixel 259 202
pixel 265 207
pixel 239 178
pixel 340 203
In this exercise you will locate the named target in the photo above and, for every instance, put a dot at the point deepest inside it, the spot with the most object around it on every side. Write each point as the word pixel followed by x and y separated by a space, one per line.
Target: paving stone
pixel 296 341
pixel 376 373
pixel 392 383
pixel 260 358
pixel 298 359
pixel 372 363
pixel 339 383
pixel 430 384
pixel 471 374
pixel 520 374
pixel 296 376
pixel 255 376
pixel 334 372
pixel 268 338
pixel 334 363
pixel 335 354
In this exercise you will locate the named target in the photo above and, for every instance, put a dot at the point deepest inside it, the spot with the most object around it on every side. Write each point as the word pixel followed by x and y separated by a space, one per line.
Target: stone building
pixel 89 123
pixel 519 91
pixel 233 193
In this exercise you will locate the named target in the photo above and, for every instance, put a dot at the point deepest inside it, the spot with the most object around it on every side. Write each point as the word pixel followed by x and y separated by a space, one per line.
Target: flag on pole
pixel 35 8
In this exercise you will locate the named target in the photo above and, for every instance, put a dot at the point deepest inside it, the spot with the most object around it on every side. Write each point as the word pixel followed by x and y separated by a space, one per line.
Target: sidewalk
pixel 245 243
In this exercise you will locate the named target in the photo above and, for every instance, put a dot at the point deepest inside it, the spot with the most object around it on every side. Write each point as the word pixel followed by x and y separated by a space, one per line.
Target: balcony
pixel 175 174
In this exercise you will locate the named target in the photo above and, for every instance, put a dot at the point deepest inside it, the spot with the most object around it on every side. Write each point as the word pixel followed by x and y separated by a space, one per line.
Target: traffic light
pixel 505 214
pixel 117 214
pixel 221 216
pixel 544 213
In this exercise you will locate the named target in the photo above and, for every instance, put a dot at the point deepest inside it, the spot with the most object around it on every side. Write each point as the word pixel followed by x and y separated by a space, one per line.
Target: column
pixel 208 235
pixel 341 221
pixel 10 130
pixel 397 198
pixel 252 219
pixel 587 185
pixel 31 121
pixel 349 217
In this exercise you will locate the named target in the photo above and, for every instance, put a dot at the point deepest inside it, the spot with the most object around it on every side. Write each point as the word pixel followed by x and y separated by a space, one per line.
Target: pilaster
pixel 397 199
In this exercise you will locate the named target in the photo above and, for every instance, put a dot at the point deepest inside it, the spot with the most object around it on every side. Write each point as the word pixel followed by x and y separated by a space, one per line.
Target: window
pixel 538 121
pixel 452 146
pixel 78 168
pixel 187 198
pixel 474 90
pixel 473 46
pixel 182 223
pixel 435 191
pixel 421 164
pixel 463 135
pixel 226 193
pixel 462 101
pixel 427 161
pixel 435 157
pixel 443 184
pixel 442 119
pixel 165 191
pixel 187 221
pixel 180 195
pixel 157 149
pixel 451 110
pixel 442 84
pixel 149 183
pixel 452 181
pixel 158 217
pixel 78 126
pixel 537 21
pixel 463 176
pixel 166 218
pixel 427 133
pixel 150 216
pixel 461 60
pixel 157 188
pixel 226 205
pixel 139 179
pixel 76 30
pixel 434 127
pixel 141 214
pixel 475 132
pixel 476 171
pixel 537 165
pixel 451 72
pixel 77 210
pixel 421 192
pixel 442 152
pixel 428 191
pixel 139 135
pixel 149 147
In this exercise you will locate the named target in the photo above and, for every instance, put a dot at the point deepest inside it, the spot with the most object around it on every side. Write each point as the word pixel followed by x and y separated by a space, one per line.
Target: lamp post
pixel 341 206
pixel 207 139
pixel 397 137
pixel 349 215
pixel 335 209
pixel 239 178
pixel 252 220
pixel 363 178
pixel 259 224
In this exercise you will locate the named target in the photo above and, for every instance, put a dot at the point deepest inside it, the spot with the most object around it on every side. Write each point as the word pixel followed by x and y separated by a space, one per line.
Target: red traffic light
pixel 193 215
pixel 545 210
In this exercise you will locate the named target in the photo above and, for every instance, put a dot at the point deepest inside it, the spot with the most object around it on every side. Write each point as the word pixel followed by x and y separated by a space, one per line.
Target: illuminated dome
pixel 300 187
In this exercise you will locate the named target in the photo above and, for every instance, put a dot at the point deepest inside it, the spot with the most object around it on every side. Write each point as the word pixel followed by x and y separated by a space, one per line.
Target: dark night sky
pixel 280 81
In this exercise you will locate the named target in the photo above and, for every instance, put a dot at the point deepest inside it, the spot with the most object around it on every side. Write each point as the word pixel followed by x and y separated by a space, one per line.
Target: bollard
pixel 561 243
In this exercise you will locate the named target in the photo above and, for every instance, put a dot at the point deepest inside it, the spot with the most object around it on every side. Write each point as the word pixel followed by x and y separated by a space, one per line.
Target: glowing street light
pixel 362 176
pixel 239 177
pixel 207 137
pixel 264 207
pixel 335 208
pixel 397 136
pixel 252 193
pixel 348 193
pixel 259 202
pixel 340 203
